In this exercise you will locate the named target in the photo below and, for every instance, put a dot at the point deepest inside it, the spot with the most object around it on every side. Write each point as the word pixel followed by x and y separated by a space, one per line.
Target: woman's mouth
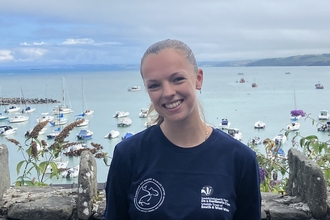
pixel 173 105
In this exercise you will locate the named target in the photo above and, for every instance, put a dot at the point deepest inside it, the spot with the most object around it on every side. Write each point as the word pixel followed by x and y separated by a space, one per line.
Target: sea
pixel 279 90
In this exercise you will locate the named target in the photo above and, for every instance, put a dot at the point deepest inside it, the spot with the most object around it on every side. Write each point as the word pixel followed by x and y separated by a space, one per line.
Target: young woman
pixel 180 168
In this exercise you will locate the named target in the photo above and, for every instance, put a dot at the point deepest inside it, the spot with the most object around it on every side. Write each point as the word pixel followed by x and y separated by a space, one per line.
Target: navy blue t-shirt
pixel 151 178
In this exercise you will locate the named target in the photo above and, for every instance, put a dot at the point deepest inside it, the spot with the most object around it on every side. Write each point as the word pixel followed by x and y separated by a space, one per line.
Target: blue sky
pixel 38 32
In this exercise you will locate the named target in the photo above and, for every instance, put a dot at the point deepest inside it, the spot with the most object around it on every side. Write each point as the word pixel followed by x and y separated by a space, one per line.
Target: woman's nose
pixel 168 90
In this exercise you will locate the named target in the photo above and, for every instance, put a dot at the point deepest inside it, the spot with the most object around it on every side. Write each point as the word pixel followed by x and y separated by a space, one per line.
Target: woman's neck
pixel 186 134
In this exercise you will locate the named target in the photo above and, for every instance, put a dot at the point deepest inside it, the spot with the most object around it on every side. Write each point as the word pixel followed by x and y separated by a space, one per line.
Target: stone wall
pixel 306 197
pixel 4 170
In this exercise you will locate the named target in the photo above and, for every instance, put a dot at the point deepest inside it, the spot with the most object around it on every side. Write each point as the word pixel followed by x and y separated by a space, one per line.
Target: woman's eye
pixel 153 86
pixel 178 79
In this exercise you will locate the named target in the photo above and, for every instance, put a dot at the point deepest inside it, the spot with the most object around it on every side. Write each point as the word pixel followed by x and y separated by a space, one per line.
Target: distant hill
pixel 299 60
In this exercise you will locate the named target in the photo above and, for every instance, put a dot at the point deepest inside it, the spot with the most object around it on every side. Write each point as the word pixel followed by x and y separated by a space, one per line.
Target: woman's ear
pixel 199 80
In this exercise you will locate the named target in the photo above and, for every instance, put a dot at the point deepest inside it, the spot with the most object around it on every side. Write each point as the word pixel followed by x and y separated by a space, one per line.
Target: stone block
pixel 87 185
pixel 4 170
pixel 306 181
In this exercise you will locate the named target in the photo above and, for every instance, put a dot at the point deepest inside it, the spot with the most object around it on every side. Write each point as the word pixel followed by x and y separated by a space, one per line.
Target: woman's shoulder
pixel 231 144
pixel 135 141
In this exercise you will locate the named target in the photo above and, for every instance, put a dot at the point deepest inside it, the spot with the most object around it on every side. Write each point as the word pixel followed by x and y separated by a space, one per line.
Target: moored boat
pixel 120 114
pixel 235 133
pixel 259 125
pixel 18 119
pixel 225 124
pixel 3 117
pixel 7 130
pixel 124 122
pixel 12 108
pixel 319 86
pixel 134 88
pixel 84 134
pixel 324 115
pixel 112 134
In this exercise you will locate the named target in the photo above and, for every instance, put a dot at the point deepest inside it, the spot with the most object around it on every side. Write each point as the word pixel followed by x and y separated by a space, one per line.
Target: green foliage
pixel 271 164
pixel 38 164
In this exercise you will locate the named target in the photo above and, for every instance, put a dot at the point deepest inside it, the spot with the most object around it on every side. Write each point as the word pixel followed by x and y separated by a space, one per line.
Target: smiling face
pixel 171 83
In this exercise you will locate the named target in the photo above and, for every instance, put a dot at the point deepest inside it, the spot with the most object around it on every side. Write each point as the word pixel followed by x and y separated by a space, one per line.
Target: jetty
pixel 18 100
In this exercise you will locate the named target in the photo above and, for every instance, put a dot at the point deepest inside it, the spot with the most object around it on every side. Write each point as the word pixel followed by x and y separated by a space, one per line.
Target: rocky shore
pixel 16 101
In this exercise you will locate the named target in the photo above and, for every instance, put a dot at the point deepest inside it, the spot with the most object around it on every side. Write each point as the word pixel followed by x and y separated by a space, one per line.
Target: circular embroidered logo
pixel 207 191
pixel 149 195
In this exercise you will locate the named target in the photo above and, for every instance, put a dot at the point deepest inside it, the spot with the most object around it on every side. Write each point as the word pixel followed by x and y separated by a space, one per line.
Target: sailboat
pixel 62 108
pixel 86 111
pixel 296 113
pixel 27 109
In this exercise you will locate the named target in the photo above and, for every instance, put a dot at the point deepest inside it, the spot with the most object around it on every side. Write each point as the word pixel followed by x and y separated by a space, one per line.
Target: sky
pixel 39 32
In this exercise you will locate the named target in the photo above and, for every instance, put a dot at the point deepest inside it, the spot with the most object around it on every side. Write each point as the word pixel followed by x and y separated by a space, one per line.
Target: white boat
pixel 324 127
pixel 293 126
pixel 63 108
pixel 28 109
pixel 18 119
pixel 112 134
pixel 324 115
pixel 235 133
pixel 3 117
pixel 143 113
pixel 84 134
pixel 84 123
pixel 72 172
pixel 279 139
pixel 12 108
pixel 61 165
pixel 7 130
pixel 134 88
pixel 86 111
pixel 58 121
pixel 70 151
pixel 53 135
pixel 296 114
pixel 259 125
pixel 45 118
pixel 124 122
pixel 256 141
pixel 225 124
pixel 120 114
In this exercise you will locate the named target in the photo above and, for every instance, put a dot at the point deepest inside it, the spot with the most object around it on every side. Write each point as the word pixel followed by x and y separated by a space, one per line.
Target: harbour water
pixel 222 97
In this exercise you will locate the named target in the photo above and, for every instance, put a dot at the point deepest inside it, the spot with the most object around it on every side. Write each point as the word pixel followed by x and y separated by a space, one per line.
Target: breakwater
pixel 16 101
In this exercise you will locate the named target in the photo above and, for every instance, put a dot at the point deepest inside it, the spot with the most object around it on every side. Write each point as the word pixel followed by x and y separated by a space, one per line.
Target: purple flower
pixel 262 174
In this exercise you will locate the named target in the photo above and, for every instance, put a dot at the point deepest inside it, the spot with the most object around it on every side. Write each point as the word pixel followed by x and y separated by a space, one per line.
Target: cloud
pixel 78 41
pixel 34 44
pixel 215 29
pixel 28 54
pixel 5 56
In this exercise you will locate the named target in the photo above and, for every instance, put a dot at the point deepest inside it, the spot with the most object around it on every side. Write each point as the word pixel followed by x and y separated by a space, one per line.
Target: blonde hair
pixel 153 117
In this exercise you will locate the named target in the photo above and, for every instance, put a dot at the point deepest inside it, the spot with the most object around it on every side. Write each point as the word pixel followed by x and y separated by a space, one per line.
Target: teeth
pixel 173 105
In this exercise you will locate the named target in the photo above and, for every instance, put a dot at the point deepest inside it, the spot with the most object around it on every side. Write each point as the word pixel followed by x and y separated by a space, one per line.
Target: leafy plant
pixel 38 164
pixel 271 164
